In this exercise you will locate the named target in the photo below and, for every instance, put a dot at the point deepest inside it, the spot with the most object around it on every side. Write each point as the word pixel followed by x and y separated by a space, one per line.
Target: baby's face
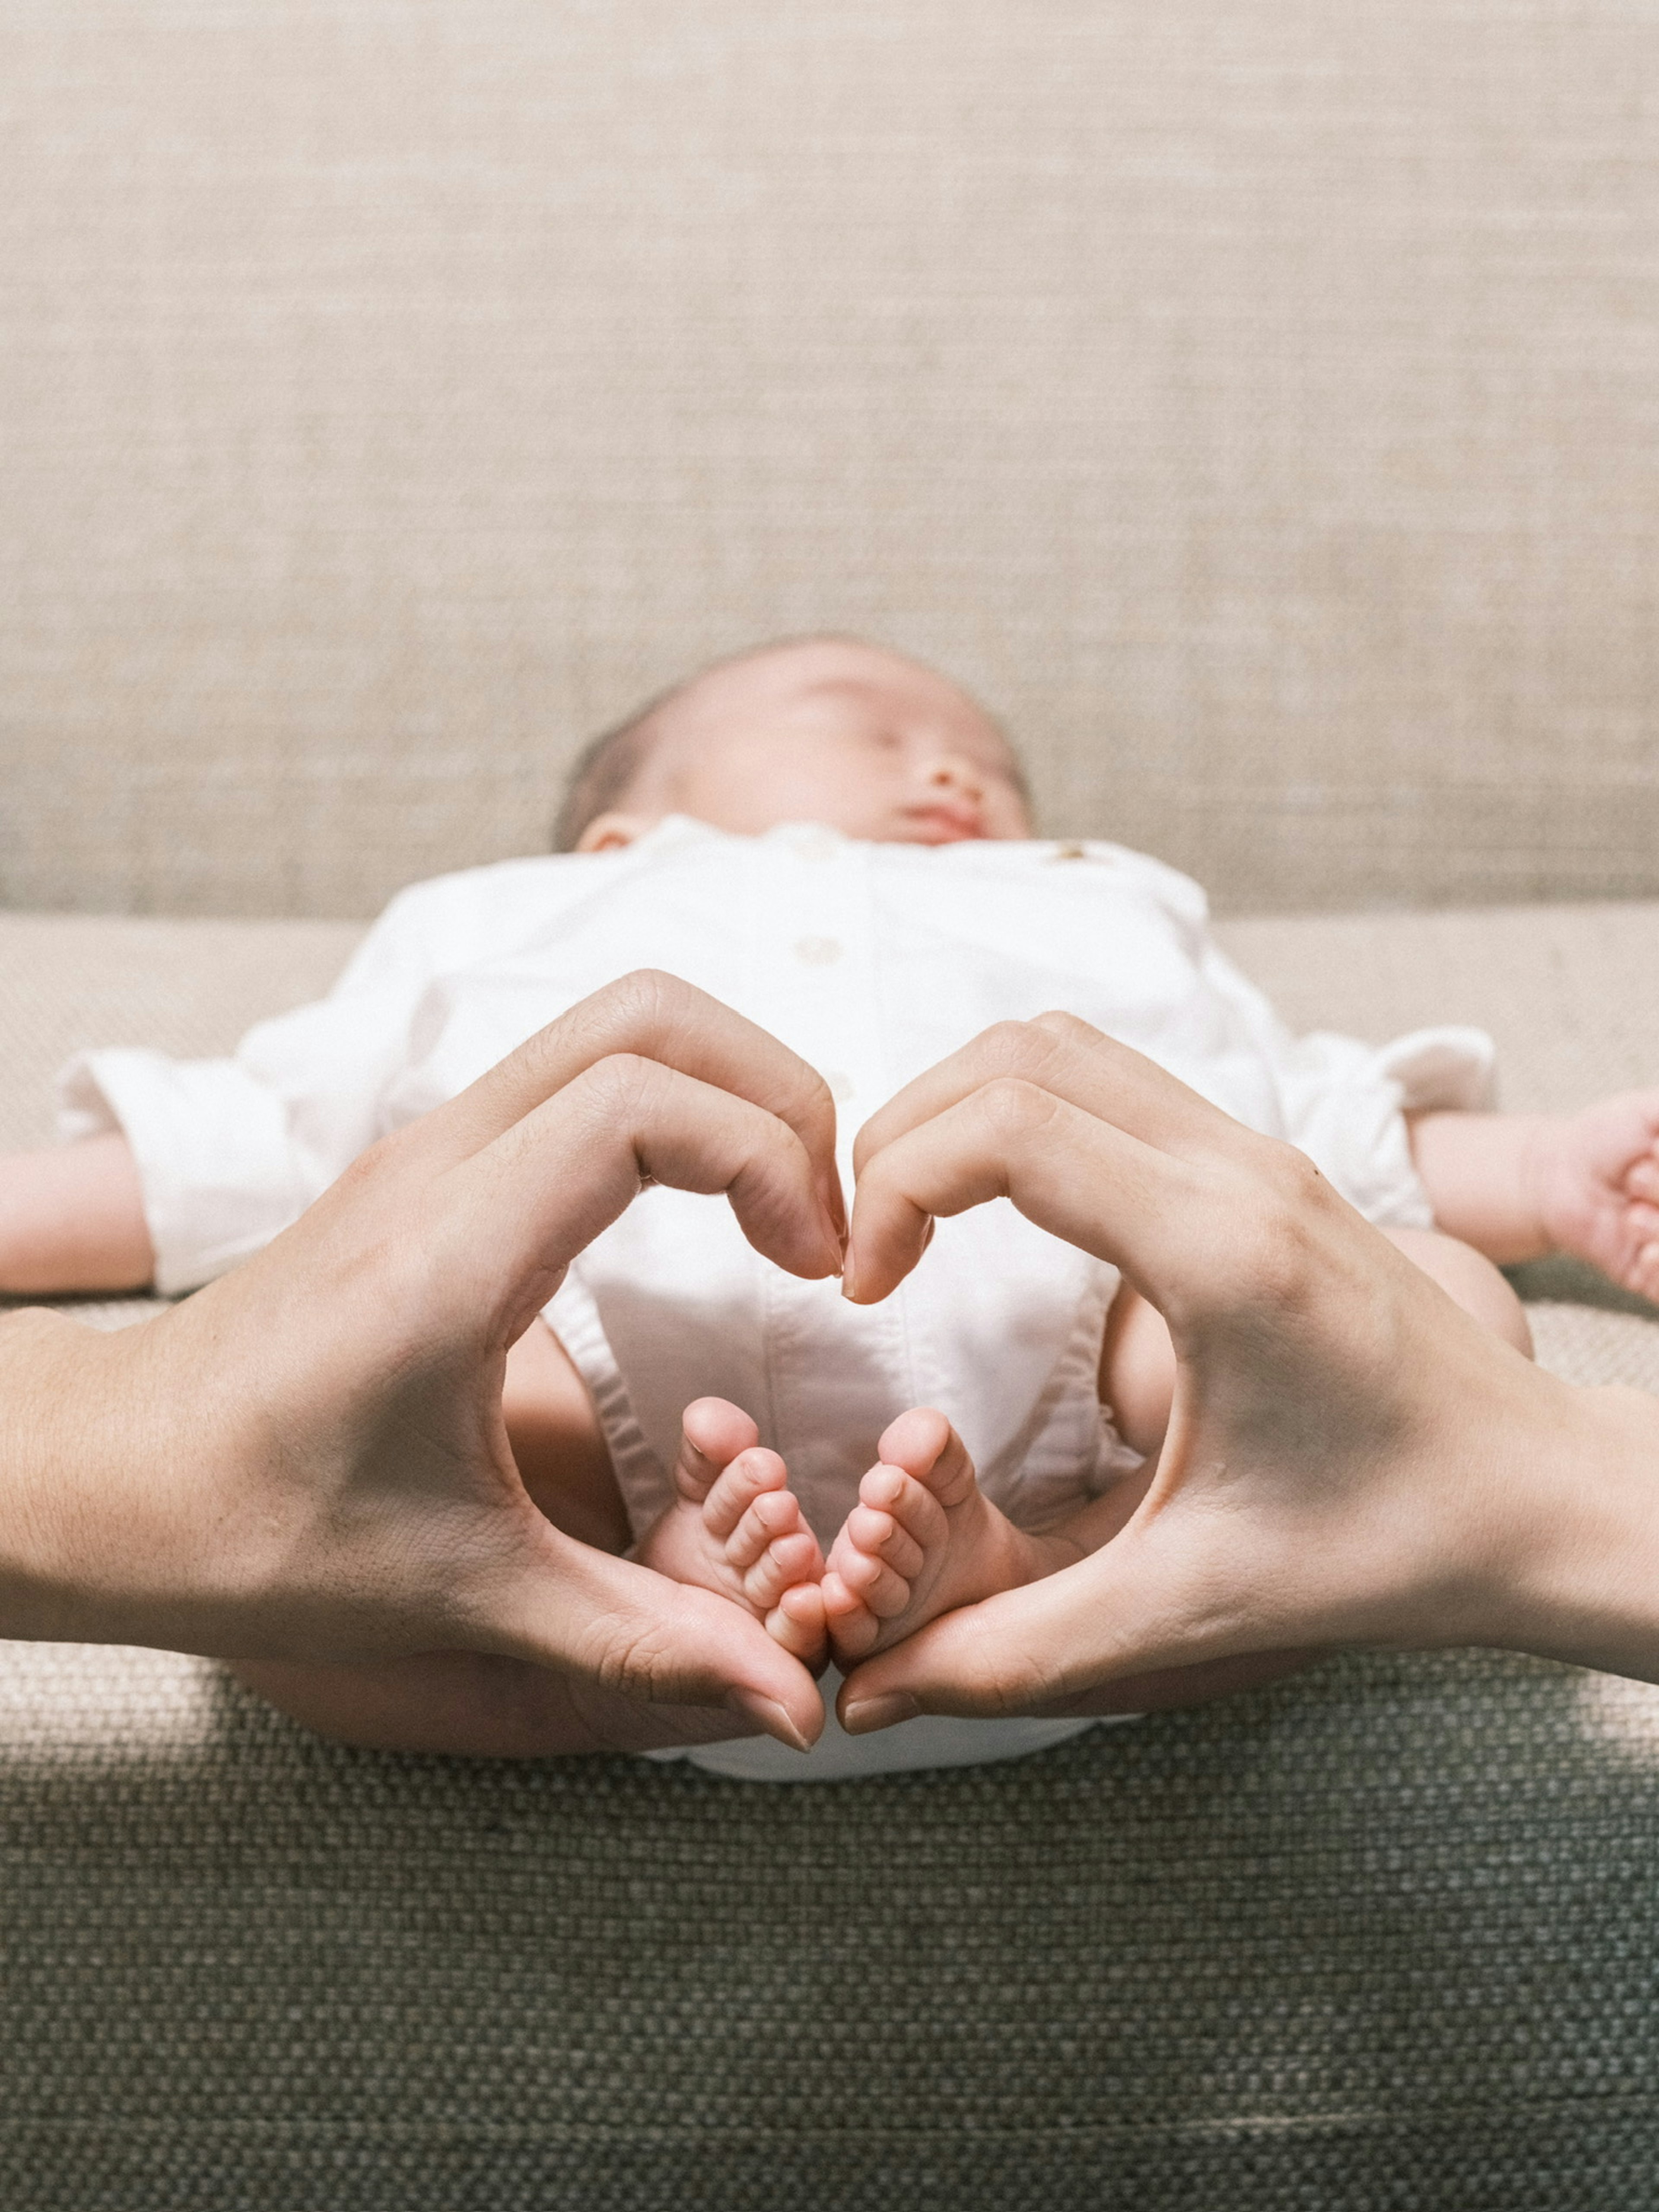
pixel 873 744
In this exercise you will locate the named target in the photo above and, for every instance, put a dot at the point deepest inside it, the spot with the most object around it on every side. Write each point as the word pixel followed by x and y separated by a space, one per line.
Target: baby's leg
pixel 1470 1280
pixel 558 1443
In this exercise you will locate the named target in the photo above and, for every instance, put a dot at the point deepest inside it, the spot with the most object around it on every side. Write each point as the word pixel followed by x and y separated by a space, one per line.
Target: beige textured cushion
pixel 1253 401
pixel 1382 1936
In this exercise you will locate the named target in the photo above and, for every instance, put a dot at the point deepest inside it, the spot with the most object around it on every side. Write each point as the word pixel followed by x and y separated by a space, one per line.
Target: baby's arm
pixel 72 1219
pixel 1517 1186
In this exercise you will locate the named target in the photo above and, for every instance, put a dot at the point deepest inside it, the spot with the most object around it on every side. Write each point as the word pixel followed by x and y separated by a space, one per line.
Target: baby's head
pixel 818 729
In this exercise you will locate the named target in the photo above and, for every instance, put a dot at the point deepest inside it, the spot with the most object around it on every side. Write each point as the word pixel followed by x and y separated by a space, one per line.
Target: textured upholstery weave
pixel 1255 401
pixel 1381 1938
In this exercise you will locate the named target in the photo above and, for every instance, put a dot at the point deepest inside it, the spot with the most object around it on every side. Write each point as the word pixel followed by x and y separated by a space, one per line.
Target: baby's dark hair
pixel 609 766
pixel 605 771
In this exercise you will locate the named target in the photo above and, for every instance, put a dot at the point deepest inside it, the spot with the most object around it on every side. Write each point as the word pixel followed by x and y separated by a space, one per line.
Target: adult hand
pixel 308 1461
pixel 1350 1460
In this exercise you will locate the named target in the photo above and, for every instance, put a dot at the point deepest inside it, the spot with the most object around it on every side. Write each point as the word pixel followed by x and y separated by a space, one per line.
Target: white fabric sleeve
pixel 229 1151
pixel 1345 1102
pixel 1345 1105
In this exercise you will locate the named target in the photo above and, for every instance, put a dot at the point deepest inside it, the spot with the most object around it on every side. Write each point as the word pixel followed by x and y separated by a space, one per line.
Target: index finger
pixel 1077 1063
pixel 1072 1172
pixel 647 1015
pixel 1110 1152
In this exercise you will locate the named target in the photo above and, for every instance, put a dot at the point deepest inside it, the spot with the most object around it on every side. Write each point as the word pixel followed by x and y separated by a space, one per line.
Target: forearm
pixel 73 1220
pixel 1478 1171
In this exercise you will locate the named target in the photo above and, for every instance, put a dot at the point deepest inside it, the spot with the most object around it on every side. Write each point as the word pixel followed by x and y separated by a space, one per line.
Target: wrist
pixel 47 1374
pixel 1538 1173
pixel 1487 1177
pixel 85 1460
pixel 1579 1575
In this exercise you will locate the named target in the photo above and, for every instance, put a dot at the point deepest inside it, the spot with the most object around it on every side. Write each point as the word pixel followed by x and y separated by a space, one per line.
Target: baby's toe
pixel 1643 1179
pixel 754 1474
pixel 786 1561
pixel 879 1587
pixel 798 1622
pixel 713 1432
pixel 881 1537
pixel 923 1442
pixel 1644 1273
pixel 890 1490
pixel 851 1626
pixel 773 1515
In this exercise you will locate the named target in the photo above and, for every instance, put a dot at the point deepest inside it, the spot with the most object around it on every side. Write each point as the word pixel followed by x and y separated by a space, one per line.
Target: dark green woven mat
pixel 1383 1937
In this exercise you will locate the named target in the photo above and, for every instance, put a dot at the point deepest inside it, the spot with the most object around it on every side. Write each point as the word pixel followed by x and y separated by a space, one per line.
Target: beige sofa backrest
pixel 1256 403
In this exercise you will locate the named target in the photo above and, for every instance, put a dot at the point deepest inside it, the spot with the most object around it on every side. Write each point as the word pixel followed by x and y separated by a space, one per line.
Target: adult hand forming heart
pixel 307 1461
pixel 1351 1460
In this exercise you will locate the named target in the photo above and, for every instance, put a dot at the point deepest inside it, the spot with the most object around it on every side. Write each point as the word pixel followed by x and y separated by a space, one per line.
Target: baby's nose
pixel 950 772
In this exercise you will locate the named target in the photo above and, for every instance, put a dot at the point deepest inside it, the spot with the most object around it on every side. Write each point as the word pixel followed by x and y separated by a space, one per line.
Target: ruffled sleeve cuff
pixel 218 1174
pixel 1348 1103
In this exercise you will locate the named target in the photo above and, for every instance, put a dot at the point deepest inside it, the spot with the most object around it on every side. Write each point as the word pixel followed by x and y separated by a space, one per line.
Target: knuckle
pixel 818 1102
pixel 1068 1029
pixel 1014 1107
pixel 616 1088
pixel 1021 1048
pixel 370 1164
pixel 640 1000
pixel 1293 1176
pixel 1017 1682
pixel 768 1147
pixel 642 1658
pixel 1266 1255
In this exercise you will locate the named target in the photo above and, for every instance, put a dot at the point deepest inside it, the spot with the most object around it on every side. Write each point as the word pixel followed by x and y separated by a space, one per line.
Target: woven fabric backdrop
pixel 1256 403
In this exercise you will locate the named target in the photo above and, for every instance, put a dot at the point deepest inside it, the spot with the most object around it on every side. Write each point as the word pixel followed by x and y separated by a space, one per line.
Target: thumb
pixel 1085 1640
pixel 1002 1656
pixel 665 1642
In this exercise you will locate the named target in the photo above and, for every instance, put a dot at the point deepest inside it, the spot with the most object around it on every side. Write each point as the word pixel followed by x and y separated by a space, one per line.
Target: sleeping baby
pixel 835 841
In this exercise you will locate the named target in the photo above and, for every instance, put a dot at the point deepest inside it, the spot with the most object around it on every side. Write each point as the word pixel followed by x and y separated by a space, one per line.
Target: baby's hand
pixel 1596 1177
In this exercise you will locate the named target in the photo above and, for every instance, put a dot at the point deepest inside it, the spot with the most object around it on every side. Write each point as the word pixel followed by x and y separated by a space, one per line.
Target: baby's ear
pixel 612 833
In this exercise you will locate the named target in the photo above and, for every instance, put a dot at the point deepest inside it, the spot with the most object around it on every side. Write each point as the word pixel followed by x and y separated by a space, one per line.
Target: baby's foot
pixel 1597 1177
pixel 736 1528
pixel 922 1540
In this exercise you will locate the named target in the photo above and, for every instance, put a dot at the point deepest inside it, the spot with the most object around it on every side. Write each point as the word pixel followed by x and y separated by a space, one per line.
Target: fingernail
pixel 772 1718
pixel 866 1714
pixel 850 1278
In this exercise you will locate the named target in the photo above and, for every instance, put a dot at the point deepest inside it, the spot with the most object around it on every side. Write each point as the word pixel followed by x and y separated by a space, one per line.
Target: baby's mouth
pixel 941 825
